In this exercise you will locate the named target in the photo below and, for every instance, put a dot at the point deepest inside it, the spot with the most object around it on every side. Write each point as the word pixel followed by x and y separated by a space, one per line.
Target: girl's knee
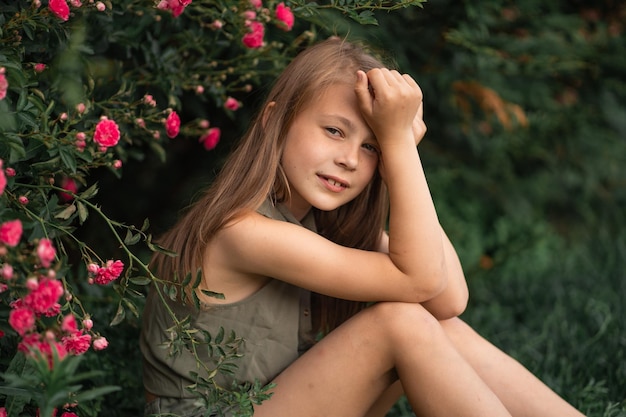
pixel 404 319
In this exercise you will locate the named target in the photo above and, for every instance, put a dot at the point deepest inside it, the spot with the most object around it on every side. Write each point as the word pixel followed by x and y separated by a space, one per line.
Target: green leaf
pixel 89 192
pixel 16 401
pixel 213 294
pixel 67 212
pixel 119 315
pixel 95 393
pixel 131 239
pixel 172 292
pixel 186 280
pixel 83 213
pixel 157 248
pixel 27 119
pixel 220 335
pixel 198 280
pixel 140 280
pixel 68 158
pixel 131 306
pixel 196 300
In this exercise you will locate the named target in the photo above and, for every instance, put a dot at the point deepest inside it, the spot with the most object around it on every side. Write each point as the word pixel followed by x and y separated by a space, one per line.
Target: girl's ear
pixel 266 112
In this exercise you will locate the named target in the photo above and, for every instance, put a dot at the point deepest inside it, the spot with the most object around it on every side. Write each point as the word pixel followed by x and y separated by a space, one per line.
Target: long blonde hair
pixel 243 184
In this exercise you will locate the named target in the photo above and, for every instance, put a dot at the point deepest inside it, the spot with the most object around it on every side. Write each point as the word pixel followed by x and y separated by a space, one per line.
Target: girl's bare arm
pixel 451 302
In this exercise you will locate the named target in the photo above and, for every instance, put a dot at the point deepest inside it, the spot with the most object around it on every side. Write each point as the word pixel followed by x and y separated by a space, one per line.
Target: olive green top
pixel 274 322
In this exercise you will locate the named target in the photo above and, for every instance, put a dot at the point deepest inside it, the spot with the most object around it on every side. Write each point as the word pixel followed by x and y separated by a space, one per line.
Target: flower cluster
pixel 103 275
pixel 61 9
pixel 177 7
pixel 254 22
pixel 35 315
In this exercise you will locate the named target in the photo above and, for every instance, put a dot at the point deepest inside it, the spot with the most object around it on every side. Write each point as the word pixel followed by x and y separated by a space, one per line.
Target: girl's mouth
pixel 333 184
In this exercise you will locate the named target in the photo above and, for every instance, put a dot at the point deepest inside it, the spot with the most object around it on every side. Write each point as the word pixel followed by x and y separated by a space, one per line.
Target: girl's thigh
pixel 346 372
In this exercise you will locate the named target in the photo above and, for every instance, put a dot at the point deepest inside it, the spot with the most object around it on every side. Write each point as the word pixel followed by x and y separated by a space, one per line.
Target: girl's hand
pixel 391 104
pixel 419 127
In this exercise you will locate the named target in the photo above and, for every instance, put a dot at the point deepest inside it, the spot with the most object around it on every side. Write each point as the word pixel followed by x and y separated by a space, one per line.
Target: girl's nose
pixel 348 156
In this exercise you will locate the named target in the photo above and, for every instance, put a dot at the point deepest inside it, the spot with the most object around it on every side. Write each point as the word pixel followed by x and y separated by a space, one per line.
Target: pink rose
pixel 249 15
pixel 4 85
pixel 68 324
pixel 284 14
pixel 231 104
pixel 100 343
pixel 70 185
pixel 76 3
pixel 3 179
pixel 87 324
pixel 60 9
pixel 11 232
pixel 172 125
pixel 254 38
pixel 176 6
pixel 43 300
pixel 46 252
pixel 3 412
pixel 211 138
pixel 256 3
pixel 107 133
pixel 149 100
pixel 22 320
pixel 110 272
pixel 77 343
pixel 68 414
pixel 6 272
pixel 39 67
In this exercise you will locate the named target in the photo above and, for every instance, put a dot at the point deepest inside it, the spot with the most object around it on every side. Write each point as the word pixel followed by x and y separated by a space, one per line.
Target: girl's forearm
pixel 415 240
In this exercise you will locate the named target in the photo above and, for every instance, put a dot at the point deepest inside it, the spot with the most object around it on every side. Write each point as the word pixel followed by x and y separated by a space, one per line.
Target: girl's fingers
pixel 363 93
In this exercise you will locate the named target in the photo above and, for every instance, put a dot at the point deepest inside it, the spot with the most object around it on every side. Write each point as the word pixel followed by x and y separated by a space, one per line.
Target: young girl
pixel 292 234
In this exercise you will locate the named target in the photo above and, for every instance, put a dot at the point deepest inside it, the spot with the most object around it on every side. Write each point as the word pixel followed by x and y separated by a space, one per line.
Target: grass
pixel 566 323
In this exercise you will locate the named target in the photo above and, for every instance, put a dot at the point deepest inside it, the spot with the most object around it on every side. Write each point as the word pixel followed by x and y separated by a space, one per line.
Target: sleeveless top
pixel 274 322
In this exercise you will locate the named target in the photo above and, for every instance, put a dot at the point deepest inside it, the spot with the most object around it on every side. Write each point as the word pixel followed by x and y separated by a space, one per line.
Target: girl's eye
pixel 371 148
pixel 333 131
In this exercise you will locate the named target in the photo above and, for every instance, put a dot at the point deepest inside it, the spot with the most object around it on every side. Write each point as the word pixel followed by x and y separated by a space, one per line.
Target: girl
pixel 292 234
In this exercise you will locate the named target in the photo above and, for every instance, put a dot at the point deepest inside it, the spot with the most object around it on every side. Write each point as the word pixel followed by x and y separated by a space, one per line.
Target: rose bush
pixel 92 85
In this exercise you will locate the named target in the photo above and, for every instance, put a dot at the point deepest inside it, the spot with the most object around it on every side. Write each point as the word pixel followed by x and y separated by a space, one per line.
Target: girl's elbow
pixel 430 287
pixel 457 304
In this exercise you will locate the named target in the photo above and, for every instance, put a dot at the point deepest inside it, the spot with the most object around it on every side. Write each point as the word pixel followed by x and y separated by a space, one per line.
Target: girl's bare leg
pixel 387 400
pixel 345 373
pixel 522 393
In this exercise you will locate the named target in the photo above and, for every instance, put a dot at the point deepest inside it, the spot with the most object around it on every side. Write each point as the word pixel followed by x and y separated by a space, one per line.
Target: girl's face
pixel 330 153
